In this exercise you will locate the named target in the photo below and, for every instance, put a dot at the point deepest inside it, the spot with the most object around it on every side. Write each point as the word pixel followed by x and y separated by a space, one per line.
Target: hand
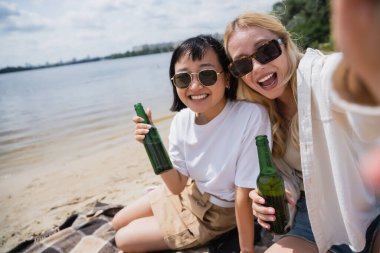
pixel 141 129
pixel 356 30
pixel 263 213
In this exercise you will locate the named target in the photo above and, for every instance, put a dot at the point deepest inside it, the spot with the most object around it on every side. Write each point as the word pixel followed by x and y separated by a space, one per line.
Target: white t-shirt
pixel 221 154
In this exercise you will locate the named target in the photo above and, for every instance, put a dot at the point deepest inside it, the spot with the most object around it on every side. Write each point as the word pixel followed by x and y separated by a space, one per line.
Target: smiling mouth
pixel 268 81
pixel 199 97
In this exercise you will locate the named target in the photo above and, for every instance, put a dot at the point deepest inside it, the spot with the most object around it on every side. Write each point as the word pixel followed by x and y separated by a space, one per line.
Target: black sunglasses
pixel 206 77
pixel 264 54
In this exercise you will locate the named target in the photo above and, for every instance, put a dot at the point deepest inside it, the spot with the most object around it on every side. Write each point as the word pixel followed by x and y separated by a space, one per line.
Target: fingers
pixel 137 119
pixel 289 198
pixel 141 129
pixel 263 224
pixel 254 195
pixel 149 114
pixel 263 213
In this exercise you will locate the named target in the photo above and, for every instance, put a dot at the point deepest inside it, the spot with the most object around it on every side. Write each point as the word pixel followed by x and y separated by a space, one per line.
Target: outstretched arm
pixel 356 30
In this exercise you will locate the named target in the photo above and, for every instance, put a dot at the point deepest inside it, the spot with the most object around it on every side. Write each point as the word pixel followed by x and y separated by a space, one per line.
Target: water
pixel 48 113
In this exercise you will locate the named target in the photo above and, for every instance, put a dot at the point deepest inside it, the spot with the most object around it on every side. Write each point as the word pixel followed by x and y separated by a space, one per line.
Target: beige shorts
pixel 189 219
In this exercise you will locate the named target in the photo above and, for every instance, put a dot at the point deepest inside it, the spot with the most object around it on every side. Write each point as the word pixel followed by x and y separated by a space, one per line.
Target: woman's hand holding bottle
pixel 141 129
pixel 264 213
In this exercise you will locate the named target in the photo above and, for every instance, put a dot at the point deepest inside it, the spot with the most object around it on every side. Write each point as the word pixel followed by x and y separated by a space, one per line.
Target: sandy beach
pixel 37 200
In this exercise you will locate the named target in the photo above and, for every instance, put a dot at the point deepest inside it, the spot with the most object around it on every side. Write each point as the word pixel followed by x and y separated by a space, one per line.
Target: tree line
pixel 307 21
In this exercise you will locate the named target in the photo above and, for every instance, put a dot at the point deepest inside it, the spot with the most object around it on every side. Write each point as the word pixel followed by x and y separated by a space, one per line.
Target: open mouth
pixel 198 97
pixel 268 81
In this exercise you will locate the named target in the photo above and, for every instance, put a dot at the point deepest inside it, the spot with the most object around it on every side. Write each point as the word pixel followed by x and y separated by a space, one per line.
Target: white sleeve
pixel 364 120
pixel 248 167
pixel 316 71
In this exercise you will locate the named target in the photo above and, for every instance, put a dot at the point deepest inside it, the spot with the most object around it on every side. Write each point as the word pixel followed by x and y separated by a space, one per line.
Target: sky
pixel 48 31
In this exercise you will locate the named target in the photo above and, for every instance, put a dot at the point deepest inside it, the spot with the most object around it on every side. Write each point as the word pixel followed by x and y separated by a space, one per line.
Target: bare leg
pixel 291 244
pixel 137 228
pixel 138 209
pixel 141 235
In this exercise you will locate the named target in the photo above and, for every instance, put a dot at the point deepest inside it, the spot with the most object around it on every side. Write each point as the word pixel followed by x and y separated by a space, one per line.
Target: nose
pixel 256 65
pixel 195 83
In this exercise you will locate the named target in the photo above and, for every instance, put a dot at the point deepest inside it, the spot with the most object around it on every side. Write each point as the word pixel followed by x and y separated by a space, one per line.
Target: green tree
pixel 307 20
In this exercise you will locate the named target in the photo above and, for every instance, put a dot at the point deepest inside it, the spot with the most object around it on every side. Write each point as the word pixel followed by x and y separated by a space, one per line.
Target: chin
pixel 271 94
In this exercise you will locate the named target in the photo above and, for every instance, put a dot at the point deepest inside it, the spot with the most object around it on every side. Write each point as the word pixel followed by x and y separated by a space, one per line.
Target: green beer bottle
pixel 153 145
pixel 271 186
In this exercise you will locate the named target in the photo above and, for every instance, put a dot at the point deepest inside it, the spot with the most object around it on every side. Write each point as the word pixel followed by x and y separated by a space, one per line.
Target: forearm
pixel 355 29
pixel 244 219
pixel 359 104
pixel 352 88
pixel 174 180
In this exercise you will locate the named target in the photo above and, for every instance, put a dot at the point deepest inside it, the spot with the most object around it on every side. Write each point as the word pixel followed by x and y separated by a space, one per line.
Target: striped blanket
pixel 93 233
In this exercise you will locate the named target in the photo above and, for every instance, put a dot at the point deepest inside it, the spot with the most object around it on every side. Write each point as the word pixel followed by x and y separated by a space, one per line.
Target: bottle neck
pixel 265 158
pixel 141 113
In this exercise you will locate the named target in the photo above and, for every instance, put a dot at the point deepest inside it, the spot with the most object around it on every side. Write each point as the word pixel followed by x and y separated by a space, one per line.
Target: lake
pixel 49 114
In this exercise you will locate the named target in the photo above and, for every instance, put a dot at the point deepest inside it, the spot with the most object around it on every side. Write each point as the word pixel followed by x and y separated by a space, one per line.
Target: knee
pixel 119 221
pixel 120 240
pixel 123 240
pixel 115 223
pixel 124 217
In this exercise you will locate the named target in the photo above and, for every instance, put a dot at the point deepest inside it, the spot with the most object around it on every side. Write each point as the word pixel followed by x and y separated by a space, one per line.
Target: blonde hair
pixel 280 126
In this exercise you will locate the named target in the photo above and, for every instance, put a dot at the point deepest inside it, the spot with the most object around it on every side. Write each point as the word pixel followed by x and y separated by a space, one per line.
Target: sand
pixel 36 200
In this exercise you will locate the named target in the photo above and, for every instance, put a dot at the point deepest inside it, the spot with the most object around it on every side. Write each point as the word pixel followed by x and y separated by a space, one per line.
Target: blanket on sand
pixel 93 233
pixel 89 232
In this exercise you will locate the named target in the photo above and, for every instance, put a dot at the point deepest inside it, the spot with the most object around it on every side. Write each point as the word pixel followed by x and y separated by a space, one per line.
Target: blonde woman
pixel 319 132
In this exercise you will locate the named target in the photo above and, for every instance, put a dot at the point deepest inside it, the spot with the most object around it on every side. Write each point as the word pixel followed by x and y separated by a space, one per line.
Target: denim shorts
pixel 302 229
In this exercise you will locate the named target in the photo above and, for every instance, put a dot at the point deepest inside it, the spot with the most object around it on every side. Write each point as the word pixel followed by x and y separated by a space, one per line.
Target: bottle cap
pixel 261 139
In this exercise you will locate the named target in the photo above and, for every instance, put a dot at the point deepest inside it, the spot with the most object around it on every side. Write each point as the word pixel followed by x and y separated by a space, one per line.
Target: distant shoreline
pixel 137 51
pixel 111 57
pixel 17 69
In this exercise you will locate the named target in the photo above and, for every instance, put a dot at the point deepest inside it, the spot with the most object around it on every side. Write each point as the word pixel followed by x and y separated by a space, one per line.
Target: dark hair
pixel 197 47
